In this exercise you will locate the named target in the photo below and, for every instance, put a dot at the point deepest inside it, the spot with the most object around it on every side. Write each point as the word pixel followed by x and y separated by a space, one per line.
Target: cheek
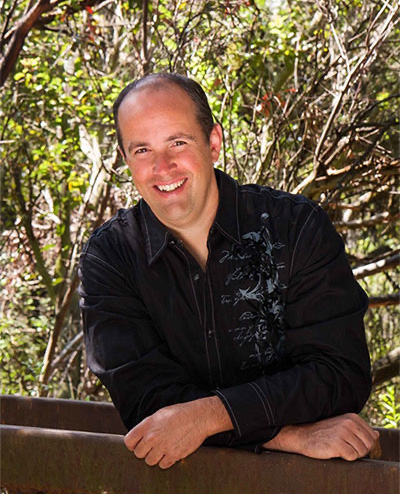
pixel 194 162
pixel 138 172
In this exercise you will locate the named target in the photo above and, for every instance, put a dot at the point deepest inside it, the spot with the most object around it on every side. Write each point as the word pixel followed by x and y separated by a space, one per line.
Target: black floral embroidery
pixel 267 330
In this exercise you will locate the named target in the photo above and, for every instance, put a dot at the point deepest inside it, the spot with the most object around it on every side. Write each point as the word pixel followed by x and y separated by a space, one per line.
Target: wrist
pixel 216 418
pixel 286 440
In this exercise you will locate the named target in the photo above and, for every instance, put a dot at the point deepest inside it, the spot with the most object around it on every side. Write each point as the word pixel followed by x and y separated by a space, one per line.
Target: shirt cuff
pixel 248 408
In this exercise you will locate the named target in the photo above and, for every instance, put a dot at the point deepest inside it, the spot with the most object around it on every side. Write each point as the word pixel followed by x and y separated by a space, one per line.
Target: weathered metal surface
pixel 60 414
pixel 44 458
pixel 390 444
pixel 67 462
pixel 102 417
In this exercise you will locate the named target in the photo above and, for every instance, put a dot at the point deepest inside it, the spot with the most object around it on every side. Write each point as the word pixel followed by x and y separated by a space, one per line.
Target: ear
pixel 215 142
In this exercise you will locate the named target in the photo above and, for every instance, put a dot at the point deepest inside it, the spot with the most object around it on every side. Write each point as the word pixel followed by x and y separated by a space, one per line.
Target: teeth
pixel 169 188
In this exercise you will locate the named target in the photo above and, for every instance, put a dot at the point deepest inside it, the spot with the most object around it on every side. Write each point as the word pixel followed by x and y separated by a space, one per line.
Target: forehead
pixel 153 97
pixel 154 111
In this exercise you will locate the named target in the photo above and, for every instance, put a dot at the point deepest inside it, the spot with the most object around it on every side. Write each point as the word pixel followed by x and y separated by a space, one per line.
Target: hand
pixel 346 436
pixel 176 431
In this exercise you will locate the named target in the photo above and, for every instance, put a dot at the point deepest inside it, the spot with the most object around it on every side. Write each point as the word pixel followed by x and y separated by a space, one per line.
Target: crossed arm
pixel 170 417
pixel 176 431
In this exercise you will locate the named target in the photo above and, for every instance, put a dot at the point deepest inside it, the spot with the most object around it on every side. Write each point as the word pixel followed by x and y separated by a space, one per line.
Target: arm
pixel 326 358
pixel 174 432
pixel 132 360
pixel 325 367
pixel 145 381
pixel 346 436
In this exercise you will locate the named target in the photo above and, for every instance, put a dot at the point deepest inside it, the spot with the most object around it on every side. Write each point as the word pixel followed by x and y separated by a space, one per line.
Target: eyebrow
pixel 180 135
pixel 133 145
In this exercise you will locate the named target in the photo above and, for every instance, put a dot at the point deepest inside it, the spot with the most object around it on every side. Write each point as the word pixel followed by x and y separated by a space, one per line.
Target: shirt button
pixel 209 333
pixel 196 277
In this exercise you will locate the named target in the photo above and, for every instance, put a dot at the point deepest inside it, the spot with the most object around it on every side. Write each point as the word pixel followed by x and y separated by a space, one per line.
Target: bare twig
pixel 372 220
pixel 55 333
pixel 376 267
pixel 384 300
pixel 362 63
pixel 145 54
pixel 386 368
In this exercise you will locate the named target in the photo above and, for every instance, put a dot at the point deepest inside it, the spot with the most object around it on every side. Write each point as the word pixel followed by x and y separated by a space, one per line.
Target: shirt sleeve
pixel 326 368
pixel 125 350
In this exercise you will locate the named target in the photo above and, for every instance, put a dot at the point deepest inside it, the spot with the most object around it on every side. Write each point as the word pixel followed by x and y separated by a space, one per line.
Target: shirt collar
pixel 226 221
pixel 227 218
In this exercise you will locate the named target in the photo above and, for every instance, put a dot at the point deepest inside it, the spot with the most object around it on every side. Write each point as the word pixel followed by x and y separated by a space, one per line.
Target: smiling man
pixel 216 313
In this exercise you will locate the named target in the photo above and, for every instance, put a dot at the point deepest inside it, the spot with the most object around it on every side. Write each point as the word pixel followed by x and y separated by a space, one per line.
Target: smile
pixel 171 187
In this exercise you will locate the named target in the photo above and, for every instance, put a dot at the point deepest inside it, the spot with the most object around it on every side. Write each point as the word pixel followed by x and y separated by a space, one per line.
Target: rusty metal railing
pixel 62 446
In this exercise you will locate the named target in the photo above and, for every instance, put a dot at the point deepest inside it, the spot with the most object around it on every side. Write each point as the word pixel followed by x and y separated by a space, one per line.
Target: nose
pixel 163 162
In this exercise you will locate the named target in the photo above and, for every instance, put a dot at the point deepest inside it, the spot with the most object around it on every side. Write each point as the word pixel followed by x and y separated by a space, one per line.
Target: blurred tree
pixel 307 93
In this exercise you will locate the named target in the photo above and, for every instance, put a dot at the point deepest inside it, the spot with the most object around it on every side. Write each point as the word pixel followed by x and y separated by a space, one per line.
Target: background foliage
pixel 308 96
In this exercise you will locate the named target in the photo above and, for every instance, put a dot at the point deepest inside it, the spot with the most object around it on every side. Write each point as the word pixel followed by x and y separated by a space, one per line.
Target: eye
pixel 141 151
pixel 179 143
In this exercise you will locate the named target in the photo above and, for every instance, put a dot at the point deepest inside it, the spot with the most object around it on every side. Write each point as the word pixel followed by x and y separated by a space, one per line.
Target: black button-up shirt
pixel 273 326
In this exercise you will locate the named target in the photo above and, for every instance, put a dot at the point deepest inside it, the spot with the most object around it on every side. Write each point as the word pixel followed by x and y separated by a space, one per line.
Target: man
pixel 216 313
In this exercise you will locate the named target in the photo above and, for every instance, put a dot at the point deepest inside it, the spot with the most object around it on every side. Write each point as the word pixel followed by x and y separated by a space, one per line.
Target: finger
pixel 166 462
pixel 153 457
pixel 132 438
pixel 347 452
pixel 360 444
pixel 364 433
pixel 142 449
pixel 369 438
pixel 376 451
pixel 363 426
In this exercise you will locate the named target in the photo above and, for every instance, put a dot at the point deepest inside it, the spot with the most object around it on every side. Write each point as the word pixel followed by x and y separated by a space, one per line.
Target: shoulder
pixel 117 242
pixel 279 205
pixel 117 229
pixel 292 220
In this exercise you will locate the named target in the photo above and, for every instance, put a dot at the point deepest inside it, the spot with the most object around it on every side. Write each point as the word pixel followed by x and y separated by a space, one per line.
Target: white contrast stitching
pixel 298 240
pixel 266 400
pixel 230 408
pixel 262 401
pixel 214 330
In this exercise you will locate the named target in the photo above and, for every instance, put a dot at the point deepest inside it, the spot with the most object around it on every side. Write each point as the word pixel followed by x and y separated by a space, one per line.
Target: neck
pixel 196 244
pixel 195 237
pixel 194 232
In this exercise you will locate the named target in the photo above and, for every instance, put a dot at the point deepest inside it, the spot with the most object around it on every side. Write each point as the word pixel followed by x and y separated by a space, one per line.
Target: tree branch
pixel 54 335
pixel 376 267
pixel 26 218
pixel 145 55
pixel 361 64
pixel 20 32
pixel 65 352
pixel 373 220
pixel 384 300
pixel 386 368
pixel 33 18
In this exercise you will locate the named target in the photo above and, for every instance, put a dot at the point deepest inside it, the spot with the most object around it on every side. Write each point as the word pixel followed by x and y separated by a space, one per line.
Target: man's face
pixel 169 157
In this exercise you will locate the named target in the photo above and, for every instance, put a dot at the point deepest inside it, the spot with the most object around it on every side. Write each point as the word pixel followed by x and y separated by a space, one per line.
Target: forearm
pixel 346 436
pixel 287 440
pixel 327 378
pixel 211 413
pixel 176 431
